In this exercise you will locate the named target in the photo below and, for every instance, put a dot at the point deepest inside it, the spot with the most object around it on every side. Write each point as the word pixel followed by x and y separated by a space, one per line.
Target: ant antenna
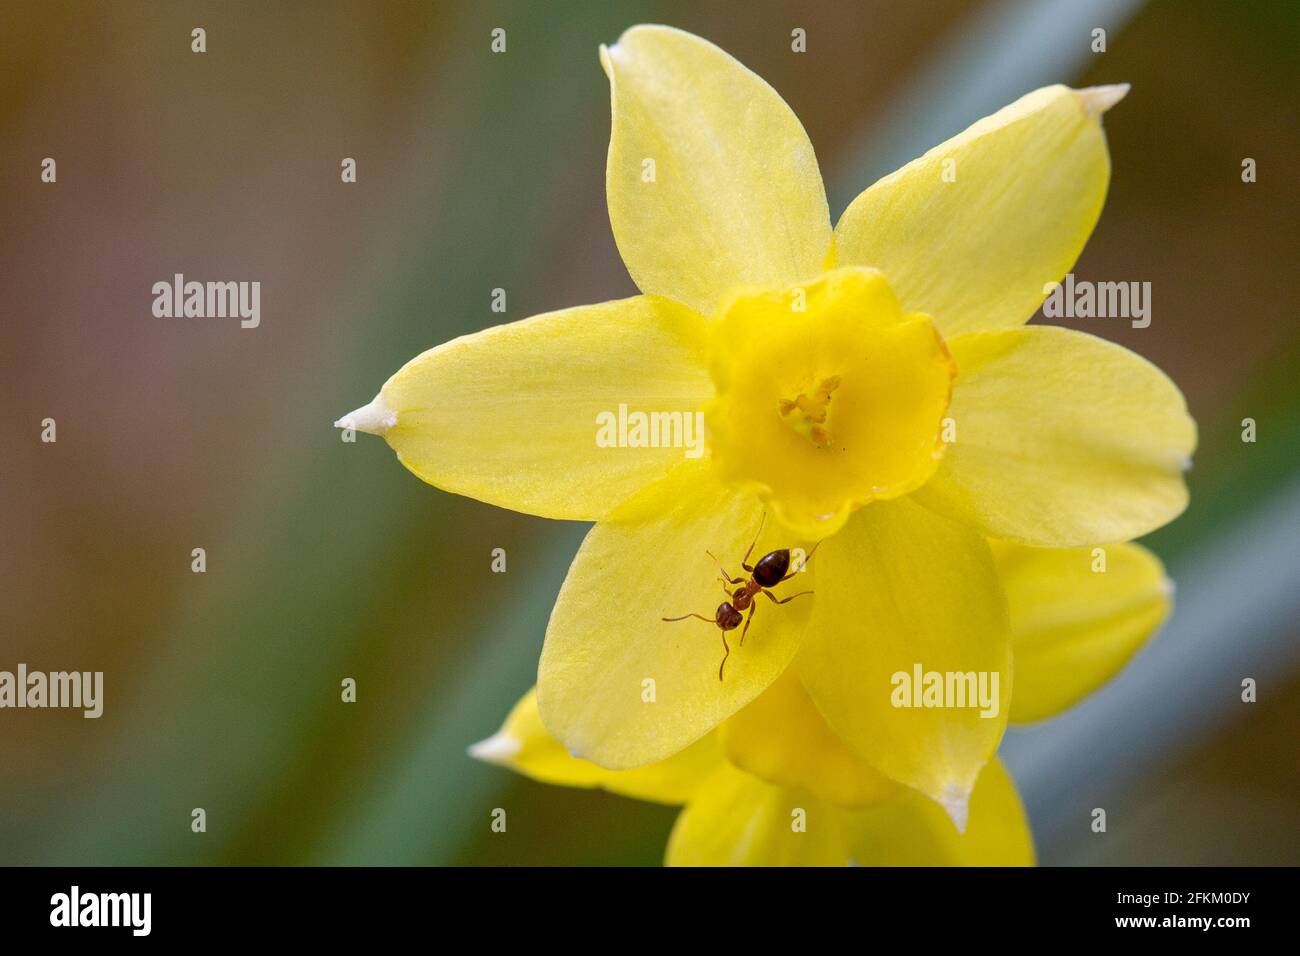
pixel 761 522
pixel 808 556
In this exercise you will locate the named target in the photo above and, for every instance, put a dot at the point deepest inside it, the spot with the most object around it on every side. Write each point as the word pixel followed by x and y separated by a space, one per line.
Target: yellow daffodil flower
pixel 873 387
pixel 774 785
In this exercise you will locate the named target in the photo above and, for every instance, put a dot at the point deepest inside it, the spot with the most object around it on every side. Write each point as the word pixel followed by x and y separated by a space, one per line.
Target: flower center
pixel 807 416
pixel 828 397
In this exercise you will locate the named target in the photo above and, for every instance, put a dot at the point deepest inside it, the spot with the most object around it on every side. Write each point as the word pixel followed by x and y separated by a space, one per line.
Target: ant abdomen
pixel 771 567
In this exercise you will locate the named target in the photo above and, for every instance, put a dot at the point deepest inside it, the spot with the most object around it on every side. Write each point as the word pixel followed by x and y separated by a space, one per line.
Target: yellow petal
pixel 902 589
pixel 1077 617
pixel 912 831
pixel 711 181
pixel 972 231
pixel 1062 440
pixel 781 738
pixel 522 415
pixel 523 744
pixel 738 820
pixel 619 685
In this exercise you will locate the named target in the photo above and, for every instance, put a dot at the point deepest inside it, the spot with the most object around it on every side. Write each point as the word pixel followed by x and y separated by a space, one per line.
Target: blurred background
pixel 328 560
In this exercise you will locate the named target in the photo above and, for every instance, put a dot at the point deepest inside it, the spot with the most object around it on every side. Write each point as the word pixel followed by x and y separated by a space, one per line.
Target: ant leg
pixel 685 616
pixel 805 563
pixel 772 597
pixel 726 652
pixel 726 574
pixel 752 609
pixel 744 562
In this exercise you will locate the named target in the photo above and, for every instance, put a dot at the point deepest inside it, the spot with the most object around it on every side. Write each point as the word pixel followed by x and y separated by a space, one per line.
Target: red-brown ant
pixel 767 573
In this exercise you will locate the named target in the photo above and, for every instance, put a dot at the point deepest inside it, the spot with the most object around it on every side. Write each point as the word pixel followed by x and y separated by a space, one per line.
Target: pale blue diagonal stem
pixel 1238 593
pixel 1003 52
pixel 1238 596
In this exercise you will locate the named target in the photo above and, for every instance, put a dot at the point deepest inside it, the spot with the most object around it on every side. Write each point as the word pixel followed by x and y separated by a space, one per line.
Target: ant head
pixel 728 617
pixel 771 567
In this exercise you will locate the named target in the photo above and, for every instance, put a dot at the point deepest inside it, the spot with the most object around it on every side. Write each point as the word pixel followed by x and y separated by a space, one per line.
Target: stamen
pixel 807 416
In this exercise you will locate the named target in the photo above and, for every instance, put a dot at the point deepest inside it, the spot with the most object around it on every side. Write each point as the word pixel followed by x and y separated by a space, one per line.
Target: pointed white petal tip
pixel 607 54
pixel 956 803
pixel 499 748
pixel 373 419
pixel 1098 99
